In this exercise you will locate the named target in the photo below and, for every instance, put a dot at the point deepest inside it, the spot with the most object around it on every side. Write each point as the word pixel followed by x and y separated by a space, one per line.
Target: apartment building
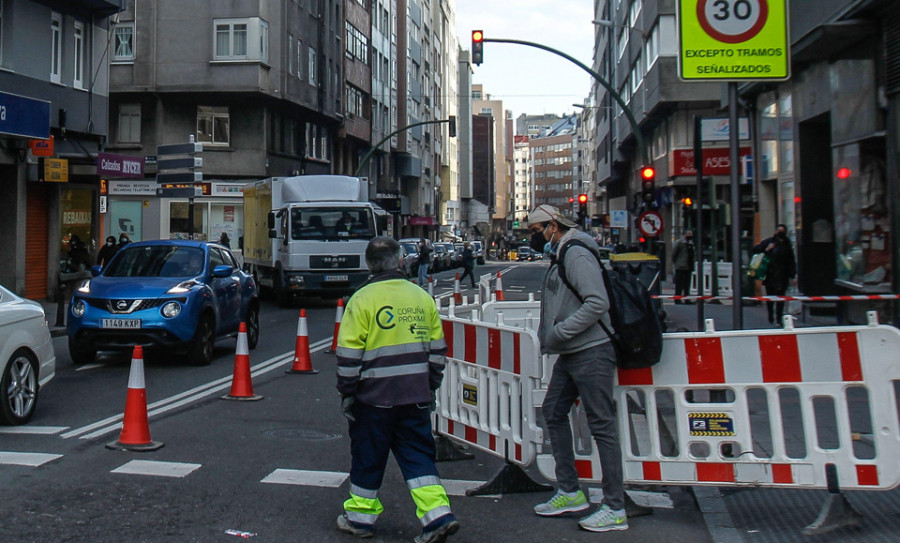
pixel 553 166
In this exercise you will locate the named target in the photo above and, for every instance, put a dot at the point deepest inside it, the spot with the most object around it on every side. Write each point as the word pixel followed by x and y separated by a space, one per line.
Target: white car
pixel 27 359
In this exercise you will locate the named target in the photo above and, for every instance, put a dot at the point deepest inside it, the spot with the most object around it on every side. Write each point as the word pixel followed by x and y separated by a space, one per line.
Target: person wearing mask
pixel 585 368
pixel 468 262
pixel 107 251
pixel 781 270
pixel 124 240
pixel 683 262
pixel 424 262
pixel 387 375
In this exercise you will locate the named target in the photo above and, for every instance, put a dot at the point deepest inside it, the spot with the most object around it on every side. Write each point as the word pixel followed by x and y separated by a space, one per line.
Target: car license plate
pixel 120 323
pixel 330 278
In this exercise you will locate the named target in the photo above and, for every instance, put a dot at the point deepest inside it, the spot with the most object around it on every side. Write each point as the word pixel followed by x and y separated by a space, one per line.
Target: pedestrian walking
pixel 225 240
pixel 585 368
pixel 390 362
pixel 468 262
pixel 781 270
pixel 683 262
pixel 424 261
pixel 107 251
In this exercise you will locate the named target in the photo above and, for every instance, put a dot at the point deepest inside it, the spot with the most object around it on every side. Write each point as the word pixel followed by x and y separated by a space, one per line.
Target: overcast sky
pixel 531 80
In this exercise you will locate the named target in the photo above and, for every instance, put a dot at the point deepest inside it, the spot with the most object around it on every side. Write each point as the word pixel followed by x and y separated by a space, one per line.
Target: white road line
pixel 328 479
pixel 112 424
pixel 458 487
pixel 89 367
pixel 33 430
pixel 27 459
pixel 159 469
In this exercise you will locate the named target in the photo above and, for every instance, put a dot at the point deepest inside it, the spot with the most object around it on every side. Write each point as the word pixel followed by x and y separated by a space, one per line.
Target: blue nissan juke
pixel 175 295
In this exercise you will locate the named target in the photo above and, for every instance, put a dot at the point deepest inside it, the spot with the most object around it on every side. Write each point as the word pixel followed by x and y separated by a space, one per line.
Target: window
pixel 357 44
pixel 241 39
pixel 213 125
pixel 78 78
pixel 651 47
pixel 1 32
pixel 312 66
pixel 299 57
pixel 290 54
pixel 123 36
pixel 129 123
pixel 355 102
pixel 55 47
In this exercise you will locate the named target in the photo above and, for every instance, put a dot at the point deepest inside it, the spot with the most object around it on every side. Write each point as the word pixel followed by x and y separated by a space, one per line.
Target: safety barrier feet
pixel 836 511
pixel 448 451
pixel 632 509
pixel 510 479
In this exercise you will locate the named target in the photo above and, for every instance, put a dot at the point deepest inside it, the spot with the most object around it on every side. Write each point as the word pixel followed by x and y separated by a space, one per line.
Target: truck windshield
pixel 332 223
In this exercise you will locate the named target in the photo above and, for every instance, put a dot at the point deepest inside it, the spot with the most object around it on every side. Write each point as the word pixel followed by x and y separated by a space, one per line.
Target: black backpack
pixel 636 334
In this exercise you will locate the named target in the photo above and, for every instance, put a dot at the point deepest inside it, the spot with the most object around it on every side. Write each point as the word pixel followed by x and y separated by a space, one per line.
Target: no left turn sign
pixel 650 223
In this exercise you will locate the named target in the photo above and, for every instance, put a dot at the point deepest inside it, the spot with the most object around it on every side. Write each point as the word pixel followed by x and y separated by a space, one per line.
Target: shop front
pixel 220 210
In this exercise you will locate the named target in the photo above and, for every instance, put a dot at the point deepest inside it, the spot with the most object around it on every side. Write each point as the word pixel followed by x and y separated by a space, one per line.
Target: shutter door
pixel 36 242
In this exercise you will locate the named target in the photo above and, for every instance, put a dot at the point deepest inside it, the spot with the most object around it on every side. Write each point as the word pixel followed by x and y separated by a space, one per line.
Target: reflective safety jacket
pixel 390 348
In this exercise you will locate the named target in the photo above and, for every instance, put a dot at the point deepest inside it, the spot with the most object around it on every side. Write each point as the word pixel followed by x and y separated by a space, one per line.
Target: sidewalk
pixel 50 310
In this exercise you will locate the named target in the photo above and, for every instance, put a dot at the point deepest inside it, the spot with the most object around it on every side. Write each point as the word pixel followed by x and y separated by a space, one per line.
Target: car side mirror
pixel 223 271
pixel 95 271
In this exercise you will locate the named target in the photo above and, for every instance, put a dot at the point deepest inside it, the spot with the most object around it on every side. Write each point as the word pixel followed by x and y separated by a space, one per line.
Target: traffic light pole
pixel 638 137
pixel 368 155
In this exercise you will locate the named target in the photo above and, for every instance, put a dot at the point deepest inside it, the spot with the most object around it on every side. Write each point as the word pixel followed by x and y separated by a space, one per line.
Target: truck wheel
pixel 200 351
pixel 79 354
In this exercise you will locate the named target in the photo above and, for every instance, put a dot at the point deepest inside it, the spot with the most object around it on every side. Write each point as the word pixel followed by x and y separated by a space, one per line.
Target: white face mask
pixel 109 243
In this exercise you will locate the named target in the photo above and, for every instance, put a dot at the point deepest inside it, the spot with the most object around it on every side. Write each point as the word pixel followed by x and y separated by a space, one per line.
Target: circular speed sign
pixel 732 21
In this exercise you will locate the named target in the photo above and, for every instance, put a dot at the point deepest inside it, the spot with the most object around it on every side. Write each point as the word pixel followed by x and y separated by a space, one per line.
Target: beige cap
pixel 545 213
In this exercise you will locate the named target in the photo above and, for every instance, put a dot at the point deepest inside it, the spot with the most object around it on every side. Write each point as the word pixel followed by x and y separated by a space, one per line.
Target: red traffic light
pixel 582 198
pixel 843 173
pixel 648 173
pixel 477 35
pixel 687 201
pixel 571 199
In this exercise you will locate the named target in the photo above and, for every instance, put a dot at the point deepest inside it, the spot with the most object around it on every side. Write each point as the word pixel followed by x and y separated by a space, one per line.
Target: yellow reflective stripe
pixel 394 371
pixel 363 510
pixel 431 502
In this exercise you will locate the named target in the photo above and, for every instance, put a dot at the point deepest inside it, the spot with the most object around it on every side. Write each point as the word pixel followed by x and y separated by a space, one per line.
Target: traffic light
pixel 648 182
pixel 688 203
pixel 516 223
pixel 477 47
pixel 571 199
pixel 452 126
pixel 582 207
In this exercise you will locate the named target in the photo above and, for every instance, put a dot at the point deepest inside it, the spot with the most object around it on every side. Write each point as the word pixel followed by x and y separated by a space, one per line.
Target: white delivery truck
pixel 307 235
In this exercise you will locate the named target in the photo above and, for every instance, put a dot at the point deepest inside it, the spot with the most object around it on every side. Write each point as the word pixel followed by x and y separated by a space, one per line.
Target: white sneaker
pixel 604 520
pixel 561 503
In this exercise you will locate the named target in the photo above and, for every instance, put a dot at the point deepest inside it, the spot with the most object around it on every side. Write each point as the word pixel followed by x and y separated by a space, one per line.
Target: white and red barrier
pixel 486 398
pixel 836 298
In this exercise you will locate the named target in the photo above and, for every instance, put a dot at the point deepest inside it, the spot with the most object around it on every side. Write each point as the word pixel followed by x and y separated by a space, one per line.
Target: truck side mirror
pixel 271 222
pixel 273 233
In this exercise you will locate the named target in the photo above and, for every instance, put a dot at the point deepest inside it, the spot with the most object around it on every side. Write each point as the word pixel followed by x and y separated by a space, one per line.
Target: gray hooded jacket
pixel 567 324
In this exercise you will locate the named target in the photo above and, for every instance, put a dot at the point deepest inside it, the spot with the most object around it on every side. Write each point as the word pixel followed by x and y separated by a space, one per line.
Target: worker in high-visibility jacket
pixel 390 360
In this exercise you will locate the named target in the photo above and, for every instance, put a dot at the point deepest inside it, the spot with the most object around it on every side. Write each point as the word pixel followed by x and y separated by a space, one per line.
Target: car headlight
pixel 182 287
pixel 79 307
pixel 171 309
pixel 85 287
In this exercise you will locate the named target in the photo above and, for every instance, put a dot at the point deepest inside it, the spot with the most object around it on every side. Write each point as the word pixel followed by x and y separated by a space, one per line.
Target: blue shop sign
pixel 26 117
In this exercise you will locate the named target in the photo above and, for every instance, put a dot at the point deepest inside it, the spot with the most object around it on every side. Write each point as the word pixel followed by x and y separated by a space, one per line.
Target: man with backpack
pixel 573 306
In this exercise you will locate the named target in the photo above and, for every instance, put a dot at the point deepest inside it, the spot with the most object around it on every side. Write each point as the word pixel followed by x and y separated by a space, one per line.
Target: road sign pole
pixel 736 275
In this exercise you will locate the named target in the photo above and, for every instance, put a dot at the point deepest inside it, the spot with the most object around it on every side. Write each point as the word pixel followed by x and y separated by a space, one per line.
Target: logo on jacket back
pixel 384 318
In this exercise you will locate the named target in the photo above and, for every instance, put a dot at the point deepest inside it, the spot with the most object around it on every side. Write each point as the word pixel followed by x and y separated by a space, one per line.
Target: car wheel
pixel 252 322
pixel 81 355
pixel 18 388
pixel 200 352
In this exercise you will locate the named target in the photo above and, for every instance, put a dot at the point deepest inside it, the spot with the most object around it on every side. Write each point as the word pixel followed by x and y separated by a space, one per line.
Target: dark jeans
pixel 588 374
pixel 683 282
pixel 469 273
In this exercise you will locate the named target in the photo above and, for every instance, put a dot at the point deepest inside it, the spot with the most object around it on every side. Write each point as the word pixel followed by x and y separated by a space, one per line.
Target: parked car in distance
pixel 524 253
pixel 478 251
pixel 451 255
pixel 458 248
pixel 409 259
pixel 170 295
pixel 440 258
pixel 27 359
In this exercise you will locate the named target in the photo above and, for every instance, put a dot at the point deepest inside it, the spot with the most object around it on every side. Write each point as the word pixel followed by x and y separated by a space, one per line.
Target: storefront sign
pixel 717 129
pixel 55 170
pixel 110 165
pixel 132 188
pixel 42 147
pixel 21 116
pixel 716 161
pixel 228 189
pixel 421 221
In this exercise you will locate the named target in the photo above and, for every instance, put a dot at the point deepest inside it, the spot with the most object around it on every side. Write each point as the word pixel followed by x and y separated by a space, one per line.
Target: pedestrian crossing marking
pixel 328 479
pixel 27 458
pixel 33 430
pixel 458 487
pixel 155 468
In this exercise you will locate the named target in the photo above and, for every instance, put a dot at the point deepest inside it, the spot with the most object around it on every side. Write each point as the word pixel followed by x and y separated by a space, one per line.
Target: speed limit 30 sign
pixel 733 40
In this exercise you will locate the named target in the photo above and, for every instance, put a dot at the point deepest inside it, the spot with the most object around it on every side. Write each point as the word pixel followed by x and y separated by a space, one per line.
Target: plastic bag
pixel 758 265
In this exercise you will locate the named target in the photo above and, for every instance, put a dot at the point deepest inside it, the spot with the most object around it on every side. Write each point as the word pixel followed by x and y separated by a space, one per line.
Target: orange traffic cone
pixel 498 288
pixel 302 361
pixel 135 435
pixel 338 316
pixel 241 386
pixel 457 295
pixel 431 286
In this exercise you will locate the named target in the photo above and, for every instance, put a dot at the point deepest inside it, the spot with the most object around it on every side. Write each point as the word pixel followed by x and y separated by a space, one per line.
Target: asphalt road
pixel 274 468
